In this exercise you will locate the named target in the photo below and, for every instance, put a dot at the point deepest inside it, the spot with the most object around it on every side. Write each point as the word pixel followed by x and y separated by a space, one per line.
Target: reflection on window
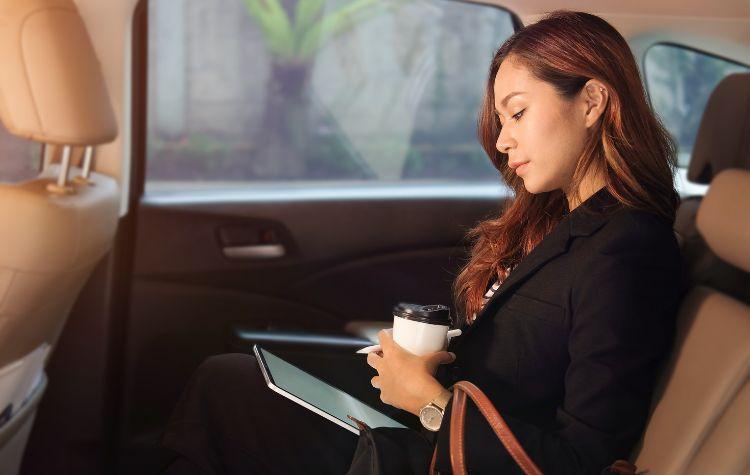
pixel 303 90
pixel 19 158
pixel 680 82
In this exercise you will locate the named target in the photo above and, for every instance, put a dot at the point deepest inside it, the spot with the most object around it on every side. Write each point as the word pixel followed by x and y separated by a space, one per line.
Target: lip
pixel 518 166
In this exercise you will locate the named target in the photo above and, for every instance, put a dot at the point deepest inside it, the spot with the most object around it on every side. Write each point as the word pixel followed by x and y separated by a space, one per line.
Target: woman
pixel 569 296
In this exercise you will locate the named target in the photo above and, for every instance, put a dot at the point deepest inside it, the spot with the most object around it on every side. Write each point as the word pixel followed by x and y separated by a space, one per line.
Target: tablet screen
pixel 317 395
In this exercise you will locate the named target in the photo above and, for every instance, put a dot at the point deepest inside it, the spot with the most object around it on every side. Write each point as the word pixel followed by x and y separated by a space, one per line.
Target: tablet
pixel 317 395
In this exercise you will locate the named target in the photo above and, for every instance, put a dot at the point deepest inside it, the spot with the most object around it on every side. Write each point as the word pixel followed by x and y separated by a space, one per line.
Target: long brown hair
pixel 629 145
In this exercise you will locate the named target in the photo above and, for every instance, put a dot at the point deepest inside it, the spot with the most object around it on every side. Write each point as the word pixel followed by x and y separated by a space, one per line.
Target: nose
pixel 505 142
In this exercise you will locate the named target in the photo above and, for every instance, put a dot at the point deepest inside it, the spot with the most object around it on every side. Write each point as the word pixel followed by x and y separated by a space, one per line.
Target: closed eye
pixel 517 116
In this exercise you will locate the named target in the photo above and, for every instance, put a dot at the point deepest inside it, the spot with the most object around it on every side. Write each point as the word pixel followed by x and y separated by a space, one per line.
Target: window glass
pixel 318 90
pixel 19 158
pixel 679 82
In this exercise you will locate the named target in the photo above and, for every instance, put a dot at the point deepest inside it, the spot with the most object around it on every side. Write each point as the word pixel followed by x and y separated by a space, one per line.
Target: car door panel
pixel 343 261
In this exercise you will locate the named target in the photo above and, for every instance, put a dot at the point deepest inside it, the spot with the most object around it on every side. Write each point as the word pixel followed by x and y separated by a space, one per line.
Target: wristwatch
pixel 431 415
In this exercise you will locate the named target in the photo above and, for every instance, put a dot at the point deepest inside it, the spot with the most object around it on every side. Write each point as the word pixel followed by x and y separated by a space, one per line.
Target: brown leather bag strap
pixel 432 463
pixel 460 390
pixel 458 419
pixel 501 429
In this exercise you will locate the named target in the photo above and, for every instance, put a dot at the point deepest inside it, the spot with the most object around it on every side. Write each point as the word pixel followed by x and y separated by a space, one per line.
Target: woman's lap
pixel 229 421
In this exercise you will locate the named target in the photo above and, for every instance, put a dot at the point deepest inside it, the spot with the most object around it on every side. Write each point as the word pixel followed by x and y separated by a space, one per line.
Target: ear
pixel 594 96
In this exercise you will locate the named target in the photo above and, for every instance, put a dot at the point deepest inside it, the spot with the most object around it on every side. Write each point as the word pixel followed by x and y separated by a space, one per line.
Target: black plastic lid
pixel 433 314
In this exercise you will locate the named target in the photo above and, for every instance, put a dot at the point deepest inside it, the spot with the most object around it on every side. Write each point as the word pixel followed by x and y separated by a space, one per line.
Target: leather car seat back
pixel 53 230
pixel 694 426
pixel 722 142
pixel 48 248
pixel 704 384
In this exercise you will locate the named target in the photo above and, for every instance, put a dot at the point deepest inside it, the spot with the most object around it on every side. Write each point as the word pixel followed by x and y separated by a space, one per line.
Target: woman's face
pixel 539 128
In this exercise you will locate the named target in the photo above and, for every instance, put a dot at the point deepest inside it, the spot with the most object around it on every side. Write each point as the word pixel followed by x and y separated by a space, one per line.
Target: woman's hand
pixel 406 380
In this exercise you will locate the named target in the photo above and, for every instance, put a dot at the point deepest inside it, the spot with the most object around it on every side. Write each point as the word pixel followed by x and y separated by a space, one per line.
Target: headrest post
pixel 61 187
pixel 88 155
pixel 48 154
pixel 62 179
pixel 88 158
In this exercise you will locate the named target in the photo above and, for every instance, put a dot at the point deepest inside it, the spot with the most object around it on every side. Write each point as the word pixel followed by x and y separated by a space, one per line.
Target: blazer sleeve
pixel 624 301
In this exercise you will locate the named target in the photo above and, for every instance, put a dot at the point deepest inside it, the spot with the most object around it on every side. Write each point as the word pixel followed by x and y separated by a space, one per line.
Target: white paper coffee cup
pixel 421 330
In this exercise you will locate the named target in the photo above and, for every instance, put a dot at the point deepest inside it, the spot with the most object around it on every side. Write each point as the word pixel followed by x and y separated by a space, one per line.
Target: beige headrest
pixel 723 139
pixel 724 217
pixel 51 85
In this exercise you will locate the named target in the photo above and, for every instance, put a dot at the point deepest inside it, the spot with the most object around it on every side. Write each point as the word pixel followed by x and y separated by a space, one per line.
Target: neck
pixel 590 185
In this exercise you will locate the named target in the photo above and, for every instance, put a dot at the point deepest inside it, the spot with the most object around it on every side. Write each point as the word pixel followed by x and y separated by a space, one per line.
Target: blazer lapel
pixel 553 244
pixel 582 221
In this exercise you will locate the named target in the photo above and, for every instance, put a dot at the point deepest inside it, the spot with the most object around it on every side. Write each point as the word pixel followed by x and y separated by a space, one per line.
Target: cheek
pixel 554 135
pixel 553 145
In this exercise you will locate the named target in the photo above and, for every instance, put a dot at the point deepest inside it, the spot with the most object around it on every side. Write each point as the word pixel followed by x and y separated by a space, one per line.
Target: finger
pixel 388 344
pixel 386 340
pixel 375 381
pixel 441 357
pixel 373 360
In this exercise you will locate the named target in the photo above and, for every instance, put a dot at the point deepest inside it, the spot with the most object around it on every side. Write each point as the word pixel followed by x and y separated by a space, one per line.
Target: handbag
pixel 386 450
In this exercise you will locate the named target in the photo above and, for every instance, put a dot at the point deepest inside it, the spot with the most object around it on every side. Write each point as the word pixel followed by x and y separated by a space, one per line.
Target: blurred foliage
pixel 300 37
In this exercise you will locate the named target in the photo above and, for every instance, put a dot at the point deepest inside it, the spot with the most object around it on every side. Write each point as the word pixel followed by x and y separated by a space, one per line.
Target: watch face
pixel 431 417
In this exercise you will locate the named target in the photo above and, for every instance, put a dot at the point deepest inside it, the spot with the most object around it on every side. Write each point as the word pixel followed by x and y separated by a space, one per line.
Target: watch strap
pixel 442 399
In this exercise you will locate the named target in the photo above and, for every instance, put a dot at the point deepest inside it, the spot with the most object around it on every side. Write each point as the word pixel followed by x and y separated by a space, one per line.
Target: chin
pixel 536 188
pixel 531 187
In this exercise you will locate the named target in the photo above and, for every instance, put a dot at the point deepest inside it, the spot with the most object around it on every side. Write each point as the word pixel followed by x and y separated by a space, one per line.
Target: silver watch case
pixel 431 416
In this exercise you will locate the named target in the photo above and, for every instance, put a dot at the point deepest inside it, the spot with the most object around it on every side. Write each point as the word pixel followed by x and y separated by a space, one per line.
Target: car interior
pixel 182 178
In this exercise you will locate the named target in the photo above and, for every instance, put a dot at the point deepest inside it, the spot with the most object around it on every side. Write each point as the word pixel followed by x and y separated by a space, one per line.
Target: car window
pixel 680 81
pixel 19 158
pixel 317 91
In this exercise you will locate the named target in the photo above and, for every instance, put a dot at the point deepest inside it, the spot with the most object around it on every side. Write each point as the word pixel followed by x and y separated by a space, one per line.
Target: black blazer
pixel 569 345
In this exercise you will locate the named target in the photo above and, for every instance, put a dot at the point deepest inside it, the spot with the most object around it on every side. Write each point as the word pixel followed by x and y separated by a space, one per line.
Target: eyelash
pixel 517 116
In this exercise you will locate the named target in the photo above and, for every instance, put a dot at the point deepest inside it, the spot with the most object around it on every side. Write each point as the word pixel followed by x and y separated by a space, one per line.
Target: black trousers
pixel 229 422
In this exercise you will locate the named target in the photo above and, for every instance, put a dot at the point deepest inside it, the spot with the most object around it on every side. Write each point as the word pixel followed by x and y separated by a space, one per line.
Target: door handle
pixel 254 251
